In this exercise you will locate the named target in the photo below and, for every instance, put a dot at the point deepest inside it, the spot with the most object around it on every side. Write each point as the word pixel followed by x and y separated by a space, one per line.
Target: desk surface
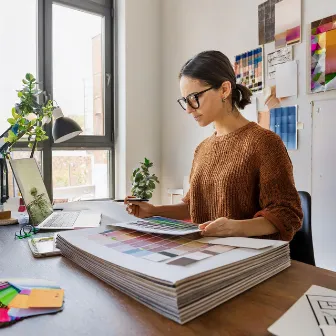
pixel 94 308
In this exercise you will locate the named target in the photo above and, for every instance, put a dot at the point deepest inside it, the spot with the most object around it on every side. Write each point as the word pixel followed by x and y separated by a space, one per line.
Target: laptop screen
pixel 32 188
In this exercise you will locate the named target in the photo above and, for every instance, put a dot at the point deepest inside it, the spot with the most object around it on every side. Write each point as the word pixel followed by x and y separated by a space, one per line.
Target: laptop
pixel 38 205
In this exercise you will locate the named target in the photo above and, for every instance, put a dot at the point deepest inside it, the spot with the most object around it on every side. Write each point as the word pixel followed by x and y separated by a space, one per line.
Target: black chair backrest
pixel 301 247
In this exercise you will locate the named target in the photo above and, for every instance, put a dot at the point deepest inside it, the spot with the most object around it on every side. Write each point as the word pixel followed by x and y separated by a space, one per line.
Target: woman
pixel 241 181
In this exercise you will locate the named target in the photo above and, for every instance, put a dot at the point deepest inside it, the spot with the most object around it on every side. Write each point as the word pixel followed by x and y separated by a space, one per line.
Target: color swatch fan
pixel 21 298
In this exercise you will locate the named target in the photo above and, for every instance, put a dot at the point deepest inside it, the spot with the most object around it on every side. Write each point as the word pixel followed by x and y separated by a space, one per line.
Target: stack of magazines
pixel 180 277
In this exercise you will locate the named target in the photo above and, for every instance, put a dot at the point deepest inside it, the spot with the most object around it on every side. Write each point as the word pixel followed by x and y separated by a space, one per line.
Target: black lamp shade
pixel 65 129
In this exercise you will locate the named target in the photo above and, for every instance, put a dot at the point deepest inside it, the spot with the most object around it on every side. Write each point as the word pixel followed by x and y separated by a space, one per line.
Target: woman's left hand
pixel 221 227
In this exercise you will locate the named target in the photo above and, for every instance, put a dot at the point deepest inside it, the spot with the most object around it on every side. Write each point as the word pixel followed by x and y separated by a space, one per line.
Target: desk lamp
pixel 63 129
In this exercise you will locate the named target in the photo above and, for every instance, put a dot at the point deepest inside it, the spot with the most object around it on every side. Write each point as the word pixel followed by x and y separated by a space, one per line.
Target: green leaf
pixel 20 94
pixel 151 185
pixel 12 121
pixel 25 81
pixel 138 177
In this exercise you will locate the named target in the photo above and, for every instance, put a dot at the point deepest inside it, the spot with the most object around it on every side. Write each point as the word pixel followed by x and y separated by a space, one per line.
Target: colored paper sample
pixel 287 23
pixel 283 122
pixel 45 298
pixel 249 69
pixel 323 54
pixel 23 298
pixel 280 56
pixel 173 250
pixel 19 301
pixel 266 21
pixel 286 79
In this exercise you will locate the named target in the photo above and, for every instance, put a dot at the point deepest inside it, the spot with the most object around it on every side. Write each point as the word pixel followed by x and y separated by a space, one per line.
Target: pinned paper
pixel 46 298
pixel 328 330
pixel 253 243
pixel 286 78
pixel 20 301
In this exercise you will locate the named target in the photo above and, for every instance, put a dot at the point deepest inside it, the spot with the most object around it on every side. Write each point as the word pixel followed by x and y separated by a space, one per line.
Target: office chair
pixel 301 247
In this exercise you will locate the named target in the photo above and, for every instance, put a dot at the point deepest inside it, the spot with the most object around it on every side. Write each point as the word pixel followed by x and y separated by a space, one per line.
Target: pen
pixel 132 199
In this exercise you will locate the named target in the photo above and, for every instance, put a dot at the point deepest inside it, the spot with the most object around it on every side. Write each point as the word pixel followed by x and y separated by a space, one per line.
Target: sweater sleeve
pixel 186 198
pixel 278 198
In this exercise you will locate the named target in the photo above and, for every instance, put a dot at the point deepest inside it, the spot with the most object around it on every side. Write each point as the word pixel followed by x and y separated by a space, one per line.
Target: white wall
pixel 138 117
pixel 191 26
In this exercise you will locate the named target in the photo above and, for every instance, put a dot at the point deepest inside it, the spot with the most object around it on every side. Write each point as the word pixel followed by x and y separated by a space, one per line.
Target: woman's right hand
pixel 139 209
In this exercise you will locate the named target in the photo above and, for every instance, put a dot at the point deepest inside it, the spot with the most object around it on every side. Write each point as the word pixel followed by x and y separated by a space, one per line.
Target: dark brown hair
pixel 213 68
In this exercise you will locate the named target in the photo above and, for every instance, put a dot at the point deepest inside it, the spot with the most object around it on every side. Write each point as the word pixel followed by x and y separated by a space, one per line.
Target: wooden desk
pixel 94 308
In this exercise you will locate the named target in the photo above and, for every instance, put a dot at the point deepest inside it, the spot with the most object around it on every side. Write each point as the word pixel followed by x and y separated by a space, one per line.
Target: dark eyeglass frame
pixel 26 231
pixel 195 95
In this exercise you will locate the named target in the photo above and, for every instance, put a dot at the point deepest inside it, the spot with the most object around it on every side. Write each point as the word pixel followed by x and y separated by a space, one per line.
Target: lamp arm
pixel 33 149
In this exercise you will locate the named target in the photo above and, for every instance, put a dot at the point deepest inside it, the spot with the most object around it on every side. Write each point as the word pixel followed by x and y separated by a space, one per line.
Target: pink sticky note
pixel 4 315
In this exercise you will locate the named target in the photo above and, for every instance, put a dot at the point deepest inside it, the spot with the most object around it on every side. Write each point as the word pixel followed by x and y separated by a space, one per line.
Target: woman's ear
pixel 226 89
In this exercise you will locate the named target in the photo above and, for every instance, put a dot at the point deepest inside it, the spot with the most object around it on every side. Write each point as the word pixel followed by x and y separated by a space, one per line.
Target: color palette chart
pixel 24 299
pixel 249 69
pixel 323 54
pixel 161 225
pixel 172 250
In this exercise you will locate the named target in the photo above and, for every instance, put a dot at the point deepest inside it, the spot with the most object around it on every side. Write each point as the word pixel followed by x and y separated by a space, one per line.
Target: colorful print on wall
pixel 249 69
pixel 323 54
pixel 287 23
pixel 283 121
pixel 266 20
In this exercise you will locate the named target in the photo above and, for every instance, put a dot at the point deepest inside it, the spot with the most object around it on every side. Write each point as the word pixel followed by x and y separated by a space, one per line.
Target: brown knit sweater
pixel 242 175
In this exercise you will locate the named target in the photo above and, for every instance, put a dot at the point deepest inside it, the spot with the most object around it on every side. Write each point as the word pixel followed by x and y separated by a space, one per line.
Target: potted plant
pixel 143 183
pixel 28 117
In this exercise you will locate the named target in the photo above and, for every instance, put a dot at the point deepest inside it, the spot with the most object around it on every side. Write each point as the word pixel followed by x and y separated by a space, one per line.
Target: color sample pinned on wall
pixel 283 121
pixel 323 54
pixel 249 69
pixel 287 23
pixel 266 20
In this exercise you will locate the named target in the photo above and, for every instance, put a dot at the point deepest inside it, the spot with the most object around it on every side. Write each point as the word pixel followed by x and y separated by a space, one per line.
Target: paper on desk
pixel 253 243
pixel 286 79
pixel 316 308
pixel 329 330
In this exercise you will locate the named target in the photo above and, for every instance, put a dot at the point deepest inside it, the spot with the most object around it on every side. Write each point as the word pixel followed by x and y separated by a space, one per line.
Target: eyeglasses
pixel 192 99
pixel 26 231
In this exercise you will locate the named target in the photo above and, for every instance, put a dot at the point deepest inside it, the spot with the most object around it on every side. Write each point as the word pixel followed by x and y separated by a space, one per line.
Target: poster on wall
pixel 266 21
pixel 283 121
pixel 287 23
pixel 280 56
pixel 323 54
pixel 249 69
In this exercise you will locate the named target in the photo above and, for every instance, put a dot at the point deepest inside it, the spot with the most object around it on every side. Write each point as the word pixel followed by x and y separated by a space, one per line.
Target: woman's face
pixel 210 102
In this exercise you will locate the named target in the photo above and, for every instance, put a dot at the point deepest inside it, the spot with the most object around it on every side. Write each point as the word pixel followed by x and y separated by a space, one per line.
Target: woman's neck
pixel 229 122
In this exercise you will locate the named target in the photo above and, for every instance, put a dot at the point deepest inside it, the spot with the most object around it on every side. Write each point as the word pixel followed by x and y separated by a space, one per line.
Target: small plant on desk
pixel 143 183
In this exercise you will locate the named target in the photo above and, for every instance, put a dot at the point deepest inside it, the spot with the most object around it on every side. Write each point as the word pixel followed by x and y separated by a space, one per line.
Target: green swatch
pixel 7 295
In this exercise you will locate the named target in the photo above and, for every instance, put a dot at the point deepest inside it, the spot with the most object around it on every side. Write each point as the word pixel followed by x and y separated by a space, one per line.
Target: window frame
pixel 45 76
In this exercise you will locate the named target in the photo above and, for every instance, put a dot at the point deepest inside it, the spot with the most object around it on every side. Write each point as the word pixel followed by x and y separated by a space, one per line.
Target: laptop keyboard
pixel 62 219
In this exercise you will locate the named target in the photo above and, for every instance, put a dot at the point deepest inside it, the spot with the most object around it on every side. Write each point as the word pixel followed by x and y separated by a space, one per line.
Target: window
pixel 18 55
pixel 67 44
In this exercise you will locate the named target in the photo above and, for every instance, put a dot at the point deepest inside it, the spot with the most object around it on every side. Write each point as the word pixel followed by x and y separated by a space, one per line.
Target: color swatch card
pixel 21 298
pixel 161 225
pixel 173 250
pixel 249 69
